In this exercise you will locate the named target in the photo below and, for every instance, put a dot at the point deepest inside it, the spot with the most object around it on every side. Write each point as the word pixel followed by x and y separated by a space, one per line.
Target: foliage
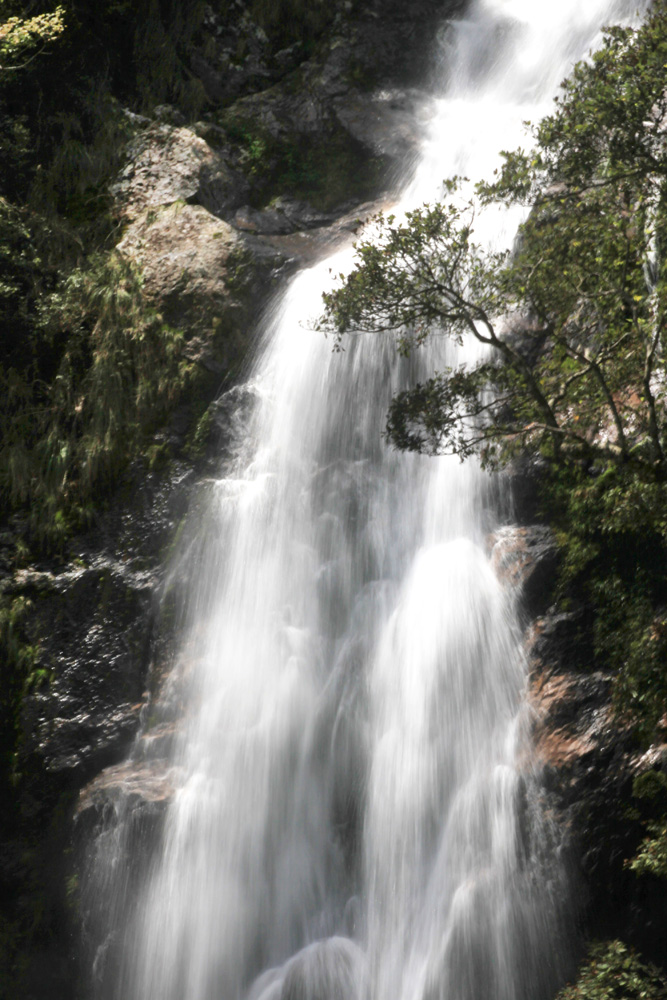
pixel 615 972
pixel 651 859
pixel 87 369
pixel 91 56
pixel 571 362
pixel 19 674
pixel 75 181
pixel 326 174
pixel 611 528
pixel 25 38
pixel 583 380
pixel 580 384
pixel 113 369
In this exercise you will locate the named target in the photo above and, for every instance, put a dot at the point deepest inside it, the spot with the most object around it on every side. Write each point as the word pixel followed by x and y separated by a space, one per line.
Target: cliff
pixel 185 160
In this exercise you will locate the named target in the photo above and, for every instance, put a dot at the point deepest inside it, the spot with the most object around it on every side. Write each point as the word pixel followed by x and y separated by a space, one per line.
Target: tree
pixel 578 370
pixel 612 971
pixel 22 39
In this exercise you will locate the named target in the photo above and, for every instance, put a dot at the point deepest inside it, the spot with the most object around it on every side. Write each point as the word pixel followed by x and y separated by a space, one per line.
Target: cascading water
pixel 352 814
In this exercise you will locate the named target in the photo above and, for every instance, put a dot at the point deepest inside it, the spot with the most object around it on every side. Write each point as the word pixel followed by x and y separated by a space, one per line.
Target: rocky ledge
pixel 588 758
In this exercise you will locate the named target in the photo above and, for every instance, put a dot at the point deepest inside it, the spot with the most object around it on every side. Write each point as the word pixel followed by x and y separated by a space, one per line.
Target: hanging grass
pixel 120 369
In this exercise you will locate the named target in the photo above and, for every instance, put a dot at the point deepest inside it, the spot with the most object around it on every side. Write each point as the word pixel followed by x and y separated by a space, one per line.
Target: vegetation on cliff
pixel 615 972
pixel 76 84
pixel 580 379
pixel 88 369
pixel 583 381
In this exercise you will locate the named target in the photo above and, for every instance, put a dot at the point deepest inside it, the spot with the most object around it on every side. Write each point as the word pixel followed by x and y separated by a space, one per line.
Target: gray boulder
pixel 203 277
pixel 166 164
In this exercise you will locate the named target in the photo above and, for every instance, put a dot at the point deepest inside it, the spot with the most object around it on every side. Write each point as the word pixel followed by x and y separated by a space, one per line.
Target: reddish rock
pixel 129 782
pixel 525 558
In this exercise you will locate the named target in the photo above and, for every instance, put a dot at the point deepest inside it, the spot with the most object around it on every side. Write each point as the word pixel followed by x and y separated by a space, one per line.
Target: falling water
pixel 355 814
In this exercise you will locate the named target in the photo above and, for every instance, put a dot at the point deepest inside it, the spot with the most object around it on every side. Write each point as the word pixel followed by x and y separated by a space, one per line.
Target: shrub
pixel 613 971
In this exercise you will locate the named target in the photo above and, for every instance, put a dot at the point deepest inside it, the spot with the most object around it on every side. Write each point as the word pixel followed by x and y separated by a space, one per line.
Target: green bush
pixel 613 971
pixel 18 675
pixel 612 532
pixel 650 789
pixel 114 370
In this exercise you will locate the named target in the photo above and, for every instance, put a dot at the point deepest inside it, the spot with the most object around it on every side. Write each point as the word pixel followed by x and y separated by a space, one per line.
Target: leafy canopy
pixel 94 374
pixel 577 373
pixel 571 325
pixel 23 38
pixel 615 972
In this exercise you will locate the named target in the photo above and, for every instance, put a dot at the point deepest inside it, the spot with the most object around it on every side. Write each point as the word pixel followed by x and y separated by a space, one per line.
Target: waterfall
pixel 355 813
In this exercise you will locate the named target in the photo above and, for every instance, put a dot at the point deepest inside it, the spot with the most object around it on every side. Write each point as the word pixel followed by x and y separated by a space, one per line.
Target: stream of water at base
pixel 355 813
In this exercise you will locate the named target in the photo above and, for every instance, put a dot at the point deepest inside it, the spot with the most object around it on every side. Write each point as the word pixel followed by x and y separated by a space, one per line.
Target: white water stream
pixel 355 816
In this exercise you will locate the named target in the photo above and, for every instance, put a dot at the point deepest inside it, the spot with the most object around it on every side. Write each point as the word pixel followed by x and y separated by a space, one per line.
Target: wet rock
pixel 91 629
pixel 133 784
pixel 94 628
pixel 307 246
pixel 329 970
pixel 560 640
pixel 385 40
pixel 287 59
pixel 525 557
pixel 587 755
pixel 350 98
pixel 117 821
pixel 282 113
pixel 359 45
pixel 386 122
pixel 286 215
pixel 238 56
pixel 574 717
pixel 271 221
pixel 230 417
pixel 168 115
pixel 589 760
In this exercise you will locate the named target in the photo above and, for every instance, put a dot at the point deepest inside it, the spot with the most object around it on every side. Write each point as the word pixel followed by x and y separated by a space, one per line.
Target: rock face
pixel 590 761
pixel 203 277
pixel 214 213
pixel 90 708
pixel 93 624
pixel 525 557
pixel 588 758
pixel 377 42
pixel 287 148
pixel 128 780
pixel 385 121
pixel 166 164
